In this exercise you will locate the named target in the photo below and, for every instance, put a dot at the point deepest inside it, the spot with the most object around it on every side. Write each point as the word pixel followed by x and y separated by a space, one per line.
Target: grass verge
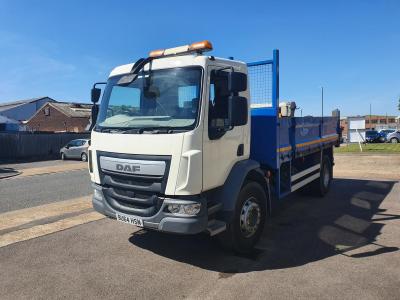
pixel 369 148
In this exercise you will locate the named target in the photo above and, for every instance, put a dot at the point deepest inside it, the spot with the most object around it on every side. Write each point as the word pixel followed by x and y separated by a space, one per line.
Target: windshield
pixel 166 98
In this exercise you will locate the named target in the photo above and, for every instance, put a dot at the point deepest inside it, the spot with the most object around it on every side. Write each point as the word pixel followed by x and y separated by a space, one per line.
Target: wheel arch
pixel 229 192
pixel 257 175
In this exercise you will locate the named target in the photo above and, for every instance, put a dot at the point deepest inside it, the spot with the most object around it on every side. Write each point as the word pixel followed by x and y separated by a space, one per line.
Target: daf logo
pixel 128 168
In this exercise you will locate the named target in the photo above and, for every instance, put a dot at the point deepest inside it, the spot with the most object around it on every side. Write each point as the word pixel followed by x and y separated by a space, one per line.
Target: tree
pixel 398 105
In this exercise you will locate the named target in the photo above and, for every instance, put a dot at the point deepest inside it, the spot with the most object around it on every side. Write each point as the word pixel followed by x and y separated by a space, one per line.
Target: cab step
pixel 214 227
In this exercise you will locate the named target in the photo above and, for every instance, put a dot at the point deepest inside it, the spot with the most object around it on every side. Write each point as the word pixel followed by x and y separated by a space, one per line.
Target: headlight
pixel 192 209
pixel 184 209
pixel 174 208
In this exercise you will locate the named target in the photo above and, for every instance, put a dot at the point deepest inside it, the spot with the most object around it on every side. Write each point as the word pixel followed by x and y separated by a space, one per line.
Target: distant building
pixel 23 110
pixel 373 122
pixel 61 117
pixel 8 125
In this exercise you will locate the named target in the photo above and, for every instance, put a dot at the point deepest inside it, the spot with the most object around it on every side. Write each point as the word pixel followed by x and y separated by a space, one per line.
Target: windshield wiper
pixel 140 130
pixel 152 130
pixel 116 129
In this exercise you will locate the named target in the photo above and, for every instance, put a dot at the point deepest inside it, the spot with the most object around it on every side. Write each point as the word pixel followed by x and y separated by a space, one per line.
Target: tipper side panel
pixel 264 94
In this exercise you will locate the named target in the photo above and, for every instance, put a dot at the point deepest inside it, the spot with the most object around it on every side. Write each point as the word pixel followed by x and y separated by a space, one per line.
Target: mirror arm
pixel 225 68
pixel 98 83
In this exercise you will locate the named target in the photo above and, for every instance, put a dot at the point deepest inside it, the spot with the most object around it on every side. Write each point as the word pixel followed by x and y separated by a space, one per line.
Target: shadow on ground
pixel 8 172
pixel 303 230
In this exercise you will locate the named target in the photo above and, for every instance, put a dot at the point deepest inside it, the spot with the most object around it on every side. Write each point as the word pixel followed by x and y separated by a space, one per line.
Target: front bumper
pixel 162 220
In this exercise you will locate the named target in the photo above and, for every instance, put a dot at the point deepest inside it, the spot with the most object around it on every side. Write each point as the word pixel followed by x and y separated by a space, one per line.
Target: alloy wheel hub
pixel 250 217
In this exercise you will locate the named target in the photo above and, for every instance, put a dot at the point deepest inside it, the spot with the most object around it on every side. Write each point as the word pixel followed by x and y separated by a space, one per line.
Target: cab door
pixel 222 146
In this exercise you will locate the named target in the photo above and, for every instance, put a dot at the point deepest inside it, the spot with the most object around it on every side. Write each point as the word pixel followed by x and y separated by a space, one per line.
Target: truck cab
pixel 170 150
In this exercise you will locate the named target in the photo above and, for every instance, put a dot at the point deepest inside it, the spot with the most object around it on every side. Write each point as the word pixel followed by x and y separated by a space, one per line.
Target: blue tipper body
pixel 275 139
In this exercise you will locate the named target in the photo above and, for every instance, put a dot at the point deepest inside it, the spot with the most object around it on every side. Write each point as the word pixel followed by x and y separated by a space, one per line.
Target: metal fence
pixel 25 145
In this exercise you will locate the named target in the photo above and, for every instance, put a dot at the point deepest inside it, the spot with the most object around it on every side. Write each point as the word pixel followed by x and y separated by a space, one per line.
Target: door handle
pixel 240 150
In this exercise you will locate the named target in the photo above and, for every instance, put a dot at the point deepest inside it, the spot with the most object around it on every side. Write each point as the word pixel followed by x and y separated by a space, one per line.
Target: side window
pixel 218 102
pixel 72 144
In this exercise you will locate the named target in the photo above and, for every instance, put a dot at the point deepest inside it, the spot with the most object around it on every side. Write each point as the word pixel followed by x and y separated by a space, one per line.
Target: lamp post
pixel 322 111
pixel 322 100
pixel 370 114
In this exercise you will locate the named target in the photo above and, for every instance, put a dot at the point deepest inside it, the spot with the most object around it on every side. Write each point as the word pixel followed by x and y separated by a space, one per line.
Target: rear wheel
pixel 84 157
pixel 321 185
pixel 248 221
pixel 394 140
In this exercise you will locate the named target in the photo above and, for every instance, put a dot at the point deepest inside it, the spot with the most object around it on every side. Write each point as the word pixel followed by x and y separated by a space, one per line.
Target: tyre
pixel 84 157
pixel 394 140
pixel 63 157
pixel 248 221
pixel 321 186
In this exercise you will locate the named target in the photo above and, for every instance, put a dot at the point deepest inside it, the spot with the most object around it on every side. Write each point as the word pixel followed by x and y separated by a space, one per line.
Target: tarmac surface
pixel 345 245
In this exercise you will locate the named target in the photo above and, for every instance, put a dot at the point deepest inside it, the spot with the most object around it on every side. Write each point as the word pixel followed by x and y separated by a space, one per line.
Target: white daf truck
pixel 174 150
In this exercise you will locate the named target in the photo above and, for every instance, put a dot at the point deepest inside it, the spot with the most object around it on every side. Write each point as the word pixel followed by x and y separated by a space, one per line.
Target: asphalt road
pixel 345 245
pixel 23 192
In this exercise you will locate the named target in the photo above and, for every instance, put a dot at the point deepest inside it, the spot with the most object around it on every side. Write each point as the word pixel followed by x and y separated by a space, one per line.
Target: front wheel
pixel 63 157
pixel 84 157
pixel 245 228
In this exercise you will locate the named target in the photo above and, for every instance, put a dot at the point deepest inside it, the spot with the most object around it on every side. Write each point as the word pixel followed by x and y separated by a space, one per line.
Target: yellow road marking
pixel 26 215
pixel 41 230
pixel 52 169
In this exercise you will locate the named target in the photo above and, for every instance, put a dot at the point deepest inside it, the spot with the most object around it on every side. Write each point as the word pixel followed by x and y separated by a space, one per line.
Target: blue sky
pixel 352 48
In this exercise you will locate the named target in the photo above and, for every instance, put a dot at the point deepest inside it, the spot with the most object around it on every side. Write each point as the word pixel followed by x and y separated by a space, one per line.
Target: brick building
pixel 373 122
pixel 61 117
pixel 22 110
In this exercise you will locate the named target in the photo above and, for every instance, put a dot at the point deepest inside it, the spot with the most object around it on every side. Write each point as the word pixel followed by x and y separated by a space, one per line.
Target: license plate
pixel 129 220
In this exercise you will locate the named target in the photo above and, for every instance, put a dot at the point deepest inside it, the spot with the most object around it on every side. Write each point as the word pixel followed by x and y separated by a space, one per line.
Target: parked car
pixel 383 134
pixel 372 136
pixel 393 137
pixel 75 149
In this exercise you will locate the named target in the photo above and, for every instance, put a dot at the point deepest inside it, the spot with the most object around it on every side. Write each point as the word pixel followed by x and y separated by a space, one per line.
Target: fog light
pixel 192 209
pixel 97 194
pixel 174 208
pixel 184 209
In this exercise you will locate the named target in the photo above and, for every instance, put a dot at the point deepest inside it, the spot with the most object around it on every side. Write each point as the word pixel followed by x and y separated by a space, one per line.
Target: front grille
pixel 140 195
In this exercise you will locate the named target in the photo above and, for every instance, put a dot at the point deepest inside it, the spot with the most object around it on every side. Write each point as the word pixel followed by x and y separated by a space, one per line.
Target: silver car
pixel 393 137
pixel 75 149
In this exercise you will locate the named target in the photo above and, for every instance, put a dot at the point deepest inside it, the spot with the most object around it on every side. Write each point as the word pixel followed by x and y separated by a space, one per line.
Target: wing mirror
pixel 96 92
pixel 95 97
pixel 237 113
pixel 237 82
pixel 238 108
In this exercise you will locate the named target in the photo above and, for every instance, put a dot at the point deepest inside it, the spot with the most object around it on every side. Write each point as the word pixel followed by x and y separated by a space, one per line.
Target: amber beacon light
pixel 195 47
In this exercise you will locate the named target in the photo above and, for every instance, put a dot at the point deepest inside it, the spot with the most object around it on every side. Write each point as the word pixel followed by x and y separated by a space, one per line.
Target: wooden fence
pixel 29 146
